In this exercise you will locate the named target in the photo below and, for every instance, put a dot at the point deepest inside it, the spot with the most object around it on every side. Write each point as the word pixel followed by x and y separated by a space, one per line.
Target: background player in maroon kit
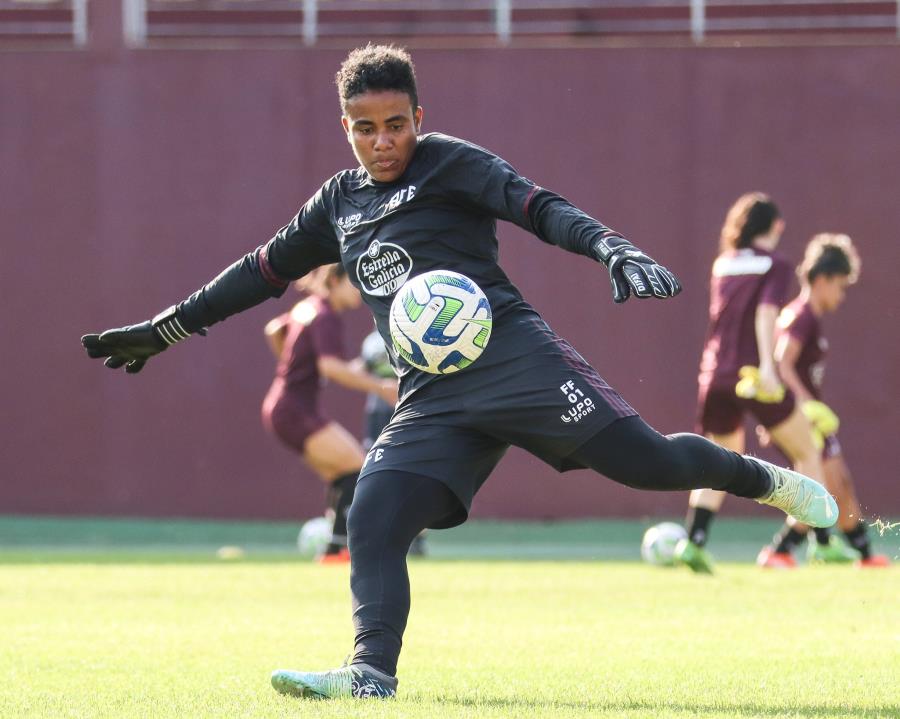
pixel 750 283
pixel 830 265
pixel 308 344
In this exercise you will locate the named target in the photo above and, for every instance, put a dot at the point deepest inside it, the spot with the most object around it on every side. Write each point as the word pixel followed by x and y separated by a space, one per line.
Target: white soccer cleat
pixel 795 494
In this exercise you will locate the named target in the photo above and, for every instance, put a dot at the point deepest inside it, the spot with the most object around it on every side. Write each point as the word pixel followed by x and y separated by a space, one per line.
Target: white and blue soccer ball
pixel 314 536
pixel 658 544
pixel 440 321
pixel 375 356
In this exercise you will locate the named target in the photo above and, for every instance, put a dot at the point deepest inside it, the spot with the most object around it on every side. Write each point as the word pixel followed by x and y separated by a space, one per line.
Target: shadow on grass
pixel 520 706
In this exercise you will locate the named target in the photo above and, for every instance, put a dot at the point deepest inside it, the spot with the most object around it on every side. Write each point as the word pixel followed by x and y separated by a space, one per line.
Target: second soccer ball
pixel 658 545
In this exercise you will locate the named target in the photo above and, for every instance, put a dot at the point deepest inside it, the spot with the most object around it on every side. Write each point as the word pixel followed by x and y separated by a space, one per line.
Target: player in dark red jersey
pixel 423 202
pixel 830 265
pixel 308 343
pixel 749 285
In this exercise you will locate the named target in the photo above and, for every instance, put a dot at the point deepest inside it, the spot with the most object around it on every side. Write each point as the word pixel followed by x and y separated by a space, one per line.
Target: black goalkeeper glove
pixel 633 272
pixel 133 345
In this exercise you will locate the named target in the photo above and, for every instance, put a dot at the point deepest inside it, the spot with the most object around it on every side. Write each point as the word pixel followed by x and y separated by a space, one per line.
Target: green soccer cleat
pixel 835 552
pixel 357 681
pixel 803 498
pixel 694 556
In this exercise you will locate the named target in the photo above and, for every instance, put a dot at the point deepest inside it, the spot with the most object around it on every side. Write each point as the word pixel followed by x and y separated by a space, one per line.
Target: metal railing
pixel 503 20
pixel 45 20
pixel 492 21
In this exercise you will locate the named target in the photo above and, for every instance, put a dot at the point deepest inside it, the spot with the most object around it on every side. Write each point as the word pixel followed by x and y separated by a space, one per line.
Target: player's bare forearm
pixel 766 315
pixel 353 375
pixel 787 353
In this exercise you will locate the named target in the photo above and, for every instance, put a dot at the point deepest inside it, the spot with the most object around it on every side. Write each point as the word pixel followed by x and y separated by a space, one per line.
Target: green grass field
pixel 139 619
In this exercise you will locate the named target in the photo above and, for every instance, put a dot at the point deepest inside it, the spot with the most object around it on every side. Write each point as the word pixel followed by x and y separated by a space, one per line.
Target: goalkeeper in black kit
pixel 421 202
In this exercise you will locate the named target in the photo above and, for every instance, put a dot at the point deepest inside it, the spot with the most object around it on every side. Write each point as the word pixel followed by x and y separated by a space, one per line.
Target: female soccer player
pixel 308 344
pixel 424 202
pixel 749 285
pixel 830 265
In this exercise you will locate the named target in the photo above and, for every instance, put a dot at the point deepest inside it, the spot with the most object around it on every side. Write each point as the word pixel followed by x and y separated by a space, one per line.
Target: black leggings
pixel 391 508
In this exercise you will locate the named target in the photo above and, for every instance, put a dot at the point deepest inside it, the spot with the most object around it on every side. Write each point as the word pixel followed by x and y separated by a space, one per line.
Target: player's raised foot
pixel 875 561
pixel 356 681
pixel 693 556
pixel 770 559
pixel 835 552
pixel 795 494
pixel 342 556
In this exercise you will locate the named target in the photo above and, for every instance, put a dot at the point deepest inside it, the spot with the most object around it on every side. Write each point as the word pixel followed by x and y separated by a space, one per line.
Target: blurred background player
pixel 378 412
pixel 830 265
pixel 308 344
pixel 749 285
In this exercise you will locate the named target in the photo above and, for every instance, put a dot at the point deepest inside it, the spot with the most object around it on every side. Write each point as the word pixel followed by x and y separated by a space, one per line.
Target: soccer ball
pixel 375 356
pixel 658 544
pixel 440 322
pixel 314 536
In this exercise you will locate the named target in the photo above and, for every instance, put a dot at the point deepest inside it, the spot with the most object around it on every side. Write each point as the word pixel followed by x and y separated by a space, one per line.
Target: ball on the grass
pixel 658 544
pixel 440 321
pixel 314 536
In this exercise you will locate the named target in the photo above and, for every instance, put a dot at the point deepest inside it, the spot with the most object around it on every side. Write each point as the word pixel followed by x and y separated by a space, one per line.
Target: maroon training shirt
pixel 800 322
pixel 314 330
pixel 741 281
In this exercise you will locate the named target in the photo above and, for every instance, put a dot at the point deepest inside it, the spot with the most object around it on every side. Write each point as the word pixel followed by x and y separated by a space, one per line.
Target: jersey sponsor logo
pixel 580 405
pixel 743 263
pixel 350 221
pixel 383 268
pixel 817 374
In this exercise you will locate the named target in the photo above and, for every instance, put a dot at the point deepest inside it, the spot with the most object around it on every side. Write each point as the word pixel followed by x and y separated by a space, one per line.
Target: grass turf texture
pixel 113 635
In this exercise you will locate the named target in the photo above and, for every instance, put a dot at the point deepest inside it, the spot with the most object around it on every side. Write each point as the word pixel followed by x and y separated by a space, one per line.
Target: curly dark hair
pixel 376 67
pixel 829 254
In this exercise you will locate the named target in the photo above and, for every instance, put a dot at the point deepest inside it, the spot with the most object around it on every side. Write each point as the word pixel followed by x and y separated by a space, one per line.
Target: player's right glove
pixel 133 345
pixel 821 417
pixel 748 387
pixel 631 272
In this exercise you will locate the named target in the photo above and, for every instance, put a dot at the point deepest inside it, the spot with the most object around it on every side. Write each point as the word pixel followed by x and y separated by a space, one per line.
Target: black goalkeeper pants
pixel 390 508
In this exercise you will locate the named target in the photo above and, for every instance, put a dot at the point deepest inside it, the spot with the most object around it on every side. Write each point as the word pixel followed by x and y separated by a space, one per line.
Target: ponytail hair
pixel 752 215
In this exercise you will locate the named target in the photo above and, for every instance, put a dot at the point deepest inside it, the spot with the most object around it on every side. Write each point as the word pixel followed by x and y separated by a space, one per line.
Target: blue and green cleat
pixel 693 556
pixel 795 494
pixel 835 552
pixel 356 681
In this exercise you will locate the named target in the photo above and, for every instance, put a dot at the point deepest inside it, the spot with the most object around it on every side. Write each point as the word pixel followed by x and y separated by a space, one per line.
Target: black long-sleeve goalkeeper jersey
pixel 440 214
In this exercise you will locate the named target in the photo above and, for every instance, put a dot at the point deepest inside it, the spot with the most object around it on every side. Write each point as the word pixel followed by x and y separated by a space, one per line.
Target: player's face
pixel 832 291
pixel 343 295
pixel 382 129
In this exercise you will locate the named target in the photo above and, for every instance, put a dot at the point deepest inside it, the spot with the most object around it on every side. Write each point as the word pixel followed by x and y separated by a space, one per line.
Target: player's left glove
pixel 631 272
pixel 821 417
pixel 133 345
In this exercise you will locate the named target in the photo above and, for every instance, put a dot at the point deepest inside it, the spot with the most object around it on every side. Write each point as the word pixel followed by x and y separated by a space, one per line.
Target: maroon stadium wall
pixel 129 178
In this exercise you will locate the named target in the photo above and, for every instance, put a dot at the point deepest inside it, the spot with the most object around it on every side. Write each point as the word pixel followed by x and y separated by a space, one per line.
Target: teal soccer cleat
pixel 803 498
pixel 693 556
pixel 357 681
